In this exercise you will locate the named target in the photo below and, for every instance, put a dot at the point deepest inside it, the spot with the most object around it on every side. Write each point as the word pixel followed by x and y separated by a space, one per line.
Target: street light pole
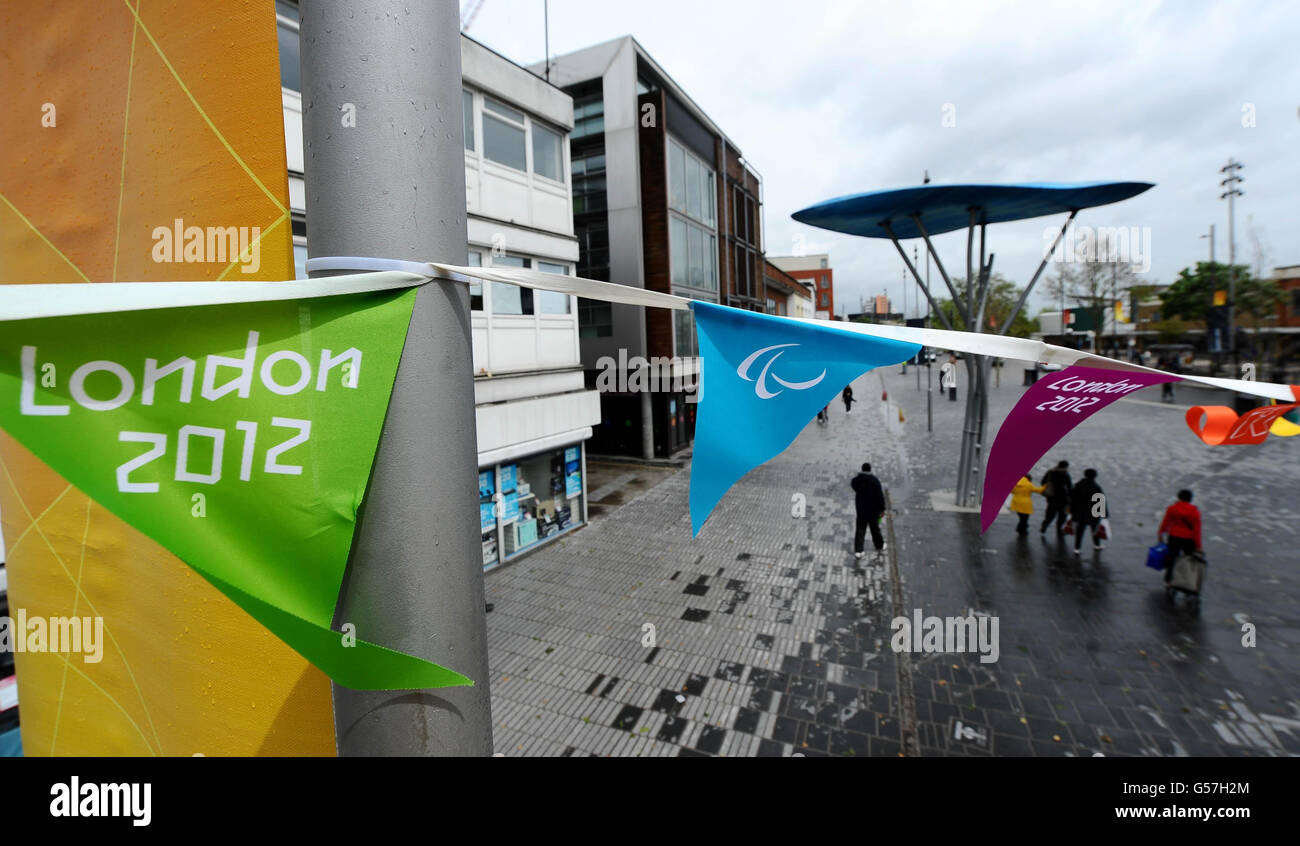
pixel 1230 183
pixel 916 257
pixel 929 385
pixel 1211 237
pixel 392 184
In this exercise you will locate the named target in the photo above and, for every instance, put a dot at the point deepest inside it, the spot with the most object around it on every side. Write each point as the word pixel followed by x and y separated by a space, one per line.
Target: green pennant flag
pixel 240 437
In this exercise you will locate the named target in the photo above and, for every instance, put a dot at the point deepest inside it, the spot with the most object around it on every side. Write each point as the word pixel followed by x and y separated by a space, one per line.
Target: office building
pixel 662 200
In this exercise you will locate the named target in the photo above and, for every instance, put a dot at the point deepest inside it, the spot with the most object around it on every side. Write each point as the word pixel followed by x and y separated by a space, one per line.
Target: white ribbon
pixel 23 302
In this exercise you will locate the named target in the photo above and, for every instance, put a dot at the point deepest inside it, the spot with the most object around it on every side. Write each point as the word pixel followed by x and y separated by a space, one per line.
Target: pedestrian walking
pixel 822 416
pixel 1056 489
pixel 869 499
pixel 1167 389
pixel 1085 508
pixel 1181 530
pixel 1022 502
pixel 847 396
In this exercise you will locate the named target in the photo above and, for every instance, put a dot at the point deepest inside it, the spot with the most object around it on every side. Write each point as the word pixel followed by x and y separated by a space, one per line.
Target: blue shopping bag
pixel 1157 556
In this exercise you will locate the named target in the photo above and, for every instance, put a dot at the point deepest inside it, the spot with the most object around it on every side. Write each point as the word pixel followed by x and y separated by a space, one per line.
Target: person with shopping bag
pixel 1022 502
pixel 1180 530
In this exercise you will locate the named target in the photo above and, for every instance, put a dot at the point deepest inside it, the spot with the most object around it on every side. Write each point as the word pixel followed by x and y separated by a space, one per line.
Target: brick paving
pixel 770 639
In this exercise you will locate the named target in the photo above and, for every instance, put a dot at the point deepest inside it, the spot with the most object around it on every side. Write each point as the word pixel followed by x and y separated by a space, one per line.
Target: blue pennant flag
pixel 762 379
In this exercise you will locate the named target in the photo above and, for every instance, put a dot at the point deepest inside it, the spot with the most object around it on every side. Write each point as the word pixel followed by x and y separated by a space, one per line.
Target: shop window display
pixel 487 517
pixel 542 497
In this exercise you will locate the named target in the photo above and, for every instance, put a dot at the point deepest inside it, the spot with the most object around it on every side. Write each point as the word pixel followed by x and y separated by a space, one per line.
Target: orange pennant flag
pixel 1219 425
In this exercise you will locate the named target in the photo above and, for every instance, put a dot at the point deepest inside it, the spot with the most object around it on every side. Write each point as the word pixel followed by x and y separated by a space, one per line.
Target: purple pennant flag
pixel 1046 413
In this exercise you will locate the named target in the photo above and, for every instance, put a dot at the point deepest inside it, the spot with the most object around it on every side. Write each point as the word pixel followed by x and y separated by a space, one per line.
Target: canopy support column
pixel 956 300
pixel 924 288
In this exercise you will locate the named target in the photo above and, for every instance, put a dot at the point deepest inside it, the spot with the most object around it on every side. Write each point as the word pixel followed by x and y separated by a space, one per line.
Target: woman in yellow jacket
pixel 1022 502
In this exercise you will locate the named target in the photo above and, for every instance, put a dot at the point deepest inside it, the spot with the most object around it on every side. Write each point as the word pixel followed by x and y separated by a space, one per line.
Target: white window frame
pixel 533 126
pixel 479 150
pixel 486 113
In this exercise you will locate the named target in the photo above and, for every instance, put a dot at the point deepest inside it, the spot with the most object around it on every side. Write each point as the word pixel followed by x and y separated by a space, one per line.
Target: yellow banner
pixel 142 141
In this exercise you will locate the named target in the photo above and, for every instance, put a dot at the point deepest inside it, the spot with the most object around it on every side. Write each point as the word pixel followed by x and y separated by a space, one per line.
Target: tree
pixel 1003 296
pixel 1169 330
pixel 1192 295
pixel 1094 283
pixel 1258 247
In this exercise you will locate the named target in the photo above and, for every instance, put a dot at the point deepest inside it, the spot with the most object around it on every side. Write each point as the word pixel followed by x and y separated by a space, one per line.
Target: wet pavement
pixel 612 483
pixel 765 637
pixel 1093 656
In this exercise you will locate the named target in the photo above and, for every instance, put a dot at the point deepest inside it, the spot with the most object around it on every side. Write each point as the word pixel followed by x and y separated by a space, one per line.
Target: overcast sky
pixel 831 98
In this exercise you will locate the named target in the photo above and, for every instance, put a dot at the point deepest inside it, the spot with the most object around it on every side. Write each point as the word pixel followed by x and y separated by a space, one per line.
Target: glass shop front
pixel 528 501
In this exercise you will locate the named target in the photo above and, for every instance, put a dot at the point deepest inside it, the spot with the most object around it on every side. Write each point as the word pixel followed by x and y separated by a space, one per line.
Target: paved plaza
pixel 764 636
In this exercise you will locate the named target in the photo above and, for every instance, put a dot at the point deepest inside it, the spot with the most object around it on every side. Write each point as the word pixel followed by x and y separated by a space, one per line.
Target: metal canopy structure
pixel 925 210
pixel 946 208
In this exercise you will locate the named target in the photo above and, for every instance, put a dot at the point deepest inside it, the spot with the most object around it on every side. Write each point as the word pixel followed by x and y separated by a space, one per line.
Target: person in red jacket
pixel 1181 529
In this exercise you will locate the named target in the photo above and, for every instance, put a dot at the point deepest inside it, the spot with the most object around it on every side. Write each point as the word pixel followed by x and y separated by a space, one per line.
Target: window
pixel 541 497
pixel 695 242
pixel 690 185
pixel 588 116
pixel 825 283
pixel 744 285
pixel 678 250
pixel 299 261
pixel 467 108
pixel 593 249
pixel 552 302
pixel 693 247
pixel 286 16
pixel 693 254
pixel 476 287
pixel 826 300
pixel 503 135
pixel 693 205
pixel 685 344
pixel 589 184
pixel 510 299
pixel 676 177
pixel 548 160
pixel 709 199
pixel 595 319
pixel 738 222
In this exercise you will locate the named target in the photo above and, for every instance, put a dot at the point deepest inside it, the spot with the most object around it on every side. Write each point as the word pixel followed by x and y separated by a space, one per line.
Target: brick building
pixel 817 272
pixel 785 294
pixel 1288 282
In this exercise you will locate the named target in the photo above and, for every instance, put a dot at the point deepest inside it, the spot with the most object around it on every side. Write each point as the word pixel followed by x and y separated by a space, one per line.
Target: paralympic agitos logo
pixel 760 381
